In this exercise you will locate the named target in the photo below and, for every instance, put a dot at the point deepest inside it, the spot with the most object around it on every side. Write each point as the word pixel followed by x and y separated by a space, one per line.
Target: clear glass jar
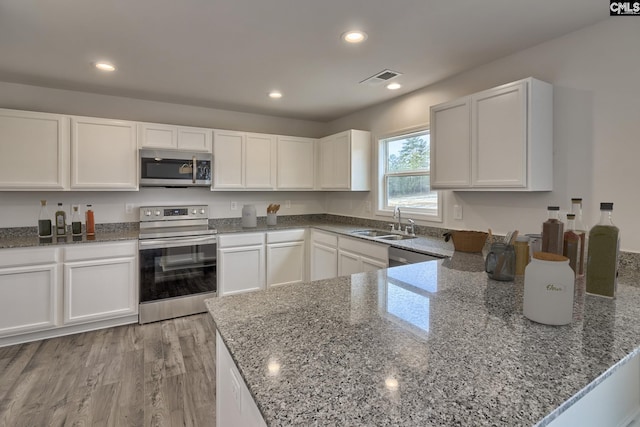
pixel 501 262
pixel 552 232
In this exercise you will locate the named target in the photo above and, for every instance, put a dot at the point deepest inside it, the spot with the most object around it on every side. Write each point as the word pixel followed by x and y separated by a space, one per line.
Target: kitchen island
pixel 429 344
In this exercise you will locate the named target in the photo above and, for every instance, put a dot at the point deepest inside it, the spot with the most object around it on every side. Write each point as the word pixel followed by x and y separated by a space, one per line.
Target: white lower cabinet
pixel 324 255
pixel 99 282
pixel 59 290
pixel 235 406
pixel 29 290
pixel 286 257
pixel 241 263
pixel 358 256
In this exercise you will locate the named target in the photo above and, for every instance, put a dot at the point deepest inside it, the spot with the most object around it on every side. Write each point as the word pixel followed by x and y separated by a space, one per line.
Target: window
pixel 405 176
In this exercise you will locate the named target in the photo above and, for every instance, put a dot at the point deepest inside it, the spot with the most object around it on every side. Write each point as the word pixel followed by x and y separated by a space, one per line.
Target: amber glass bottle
pixel 572 244
pixel 552 232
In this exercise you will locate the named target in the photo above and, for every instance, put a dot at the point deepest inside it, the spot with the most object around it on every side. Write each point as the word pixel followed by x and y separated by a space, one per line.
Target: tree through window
pixel 406 178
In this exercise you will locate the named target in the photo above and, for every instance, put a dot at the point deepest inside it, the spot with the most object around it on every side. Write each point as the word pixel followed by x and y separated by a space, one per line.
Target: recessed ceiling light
pixel 394 86
pixel 105 66
pixel 354 36
pixel 275 94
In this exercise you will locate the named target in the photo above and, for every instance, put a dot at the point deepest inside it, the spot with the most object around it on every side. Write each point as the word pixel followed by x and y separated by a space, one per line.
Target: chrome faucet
pixel 397 215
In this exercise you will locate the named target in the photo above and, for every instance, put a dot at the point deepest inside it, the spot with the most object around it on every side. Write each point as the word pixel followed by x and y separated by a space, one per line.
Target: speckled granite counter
pixel 30 239
pixel 430 344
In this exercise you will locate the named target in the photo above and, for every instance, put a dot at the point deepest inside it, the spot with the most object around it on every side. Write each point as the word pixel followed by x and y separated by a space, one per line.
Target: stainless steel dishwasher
pixel 399 257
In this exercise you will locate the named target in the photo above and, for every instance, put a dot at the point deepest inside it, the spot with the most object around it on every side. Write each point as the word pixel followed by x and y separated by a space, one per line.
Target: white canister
pixel 548 289
pixel 249 219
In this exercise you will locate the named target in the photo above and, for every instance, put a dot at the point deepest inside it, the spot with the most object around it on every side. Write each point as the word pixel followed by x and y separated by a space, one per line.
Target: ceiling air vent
pixel 381 77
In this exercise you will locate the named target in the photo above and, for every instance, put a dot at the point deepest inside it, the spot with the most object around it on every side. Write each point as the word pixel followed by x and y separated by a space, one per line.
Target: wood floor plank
pixel 161 374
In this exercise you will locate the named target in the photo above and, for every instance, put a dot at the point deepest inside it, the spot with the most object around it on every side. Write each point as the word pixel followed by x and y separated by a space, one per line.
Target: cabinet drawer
pixel 240 239
pixel 27 256
pixel 285 236
pixel 328 239
pixel 372 250
pixel 100 250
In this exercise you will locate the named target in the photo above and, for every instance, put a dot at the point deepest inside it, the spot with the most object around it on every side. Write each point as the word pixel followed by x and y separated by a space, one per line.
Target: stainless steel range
pixel 177 261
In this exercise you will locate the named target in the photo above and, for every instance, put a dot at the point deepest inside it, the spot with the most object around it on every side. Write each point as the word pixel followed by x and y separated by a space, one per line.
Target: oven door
pixel 176 275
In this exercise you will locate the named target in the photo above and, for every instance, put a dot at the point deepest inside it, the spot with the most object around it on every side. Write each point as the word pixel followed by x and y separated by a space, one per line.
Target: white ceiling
pixel 230 53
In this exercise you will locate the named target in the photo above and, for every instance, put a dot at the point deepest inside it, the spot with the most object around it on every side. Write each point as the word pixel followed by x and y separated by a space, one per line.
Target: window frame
pixel 382 209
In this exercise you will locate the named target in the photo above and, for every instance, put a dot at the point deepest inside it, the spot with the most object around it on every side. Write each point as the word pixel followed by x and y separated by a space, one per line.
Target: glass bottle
pixel 580 230
pixel 61 221
pixel 552 232
pixel 44 221
pixel 572 244
pixel 90 222
pixel 602 256
pixel 76 223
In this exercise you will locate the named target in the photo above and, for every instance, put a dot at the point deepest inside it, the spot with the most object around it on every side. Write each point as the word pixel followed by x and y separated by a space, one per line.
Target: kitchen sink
pixel 382 235
pixel 370 233
pixel 396 237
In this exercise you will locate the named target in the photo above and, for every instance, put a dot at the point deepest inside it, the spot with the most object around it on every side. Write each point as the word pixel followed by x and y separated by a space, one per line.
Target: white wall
pixel 597 114
pixel 19 209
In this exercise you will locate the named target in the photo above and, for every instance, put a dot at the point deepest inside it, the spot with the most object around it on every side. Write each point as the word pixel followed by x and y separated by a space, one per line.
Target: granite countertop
pixel 23 240
pixel 429 344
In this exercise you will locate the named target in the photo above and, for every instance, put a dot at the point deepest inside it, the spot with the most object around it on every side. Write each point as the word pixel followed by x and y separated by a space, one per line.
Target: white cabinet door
pixel 241 269
pixel 100 289
pixel 348 263
pixel 324 262
pixel 194 139
pixel 285 263
pixel 155 135
pixel 168 137
pixel 28 298
pixel 234 405
pixel 259 161
pixel 228 159
pixel 100 281
pixel 345 161
pixel 499 137
pixel 296 163
pixel 34 151
pixel 104 154
pixel 451 145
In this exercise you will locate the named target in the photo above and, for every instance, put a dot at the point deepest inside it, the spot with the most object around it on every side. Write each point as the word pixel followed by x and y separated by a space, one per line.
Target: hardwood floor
pixel 159 374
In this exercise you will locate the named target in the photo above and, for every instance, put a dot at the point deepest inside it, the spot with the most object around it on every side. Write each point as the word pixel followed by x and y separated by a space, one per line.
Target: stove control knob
pixel 201 211
pixel 194 211
pixel 147 212
pixel 157 213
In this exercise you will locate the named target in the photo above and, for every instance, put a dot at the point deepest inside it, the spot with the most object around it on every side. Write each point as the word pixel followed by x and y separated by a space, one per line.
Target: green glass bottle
pixel 602 256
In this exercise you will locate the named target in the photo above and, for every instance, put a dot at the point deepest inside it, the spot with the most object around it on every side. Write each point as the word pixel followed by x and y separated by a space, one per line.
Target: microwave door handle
pixel 194 169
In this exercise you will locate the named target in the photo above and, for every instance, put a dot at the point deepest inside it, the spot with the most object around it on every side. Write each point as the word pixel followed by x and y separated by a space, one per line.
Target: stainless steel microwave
pixel 164 168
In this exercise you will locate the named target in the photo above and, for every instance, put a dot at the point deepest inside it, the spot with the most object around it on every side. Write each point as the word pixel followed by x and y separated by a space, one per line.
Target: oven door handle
pixel 194 169
pixel 175 242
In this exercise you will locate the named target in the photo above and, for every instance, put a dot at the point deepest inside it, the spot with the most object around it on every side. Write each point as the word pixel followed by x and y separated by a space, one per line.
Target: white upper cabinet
pixel 168 137
pixel 296 163
pixel 34 151
pixel 104 154
pixel 500 139
pixel 243 160
pixel 451 156
pixel 345 161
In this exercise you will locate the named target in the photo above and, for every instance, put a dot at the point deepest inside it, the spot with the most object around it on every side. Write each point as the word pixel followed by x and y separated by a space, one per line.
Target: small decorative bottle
pixel 44 221
pixel 76 223
pixel 580 230
pixel 552 232
pixel 61 221
pixel 602 256
pixel 90 221
pixel 572 244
